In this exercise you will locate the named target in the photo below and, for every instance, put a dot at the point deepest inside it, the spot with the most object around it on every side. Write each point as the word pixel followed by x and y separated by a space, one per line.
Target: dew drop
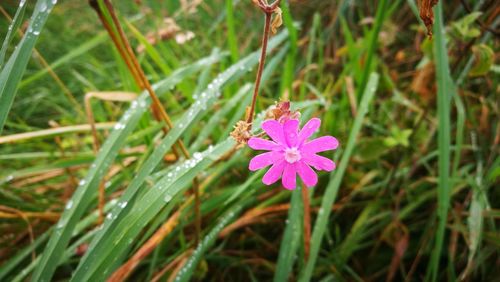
pixel 9 178
pixel 198 155
pixel 43 7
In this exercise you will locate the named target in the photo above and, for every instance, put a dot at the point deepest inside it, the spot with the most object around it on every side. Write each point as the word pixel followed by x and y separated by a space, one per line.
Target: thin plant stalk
pixel 307 221
pixel 265 38
pixel 268 11
pixel 123 45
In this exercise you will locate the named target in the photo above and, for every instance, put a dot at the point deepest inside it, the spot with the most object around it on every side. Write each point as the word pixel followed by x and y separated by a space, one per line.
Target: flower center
pixel 292 155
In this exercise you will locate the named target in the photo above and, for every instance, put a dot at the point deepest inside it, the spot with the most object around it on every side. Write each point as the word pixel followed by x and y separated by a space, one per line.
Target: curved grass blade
pixel 14 25
pixel 14 69
pixel 190 266
pixel 291 238
pixel 333 187
pixel 88 186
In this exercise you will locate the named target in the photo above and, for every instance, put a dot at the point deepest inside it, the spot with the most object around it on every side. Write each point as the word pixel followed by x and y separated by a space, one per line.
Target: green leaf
pixel 483 60
pixel 464 28
pixel 399 137
pixel 370 149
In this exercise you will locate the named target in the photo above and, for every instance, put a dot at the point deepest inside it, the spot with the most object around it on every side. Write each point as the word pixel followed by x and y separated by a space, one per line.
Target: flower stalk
pixel 268 10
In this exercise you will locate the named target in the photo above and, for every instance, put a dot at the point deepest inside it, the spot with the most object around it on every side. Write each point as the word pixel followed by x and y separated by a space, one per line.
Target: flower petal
pixel 307 174
pixel 264 160
pixel 308 129
pixel 289 177
pixel 262 144
pixel 274 173
pixel 321 144
pixel 275 130
pixel 290 130
pixel 318 162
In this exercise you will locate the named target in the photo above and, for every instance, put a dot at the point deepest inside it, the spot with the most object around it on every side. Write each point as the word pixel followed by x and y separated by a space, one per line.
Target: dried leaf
pixel 427 15
pixel 424 82
pixel 277 20
pixel 168 31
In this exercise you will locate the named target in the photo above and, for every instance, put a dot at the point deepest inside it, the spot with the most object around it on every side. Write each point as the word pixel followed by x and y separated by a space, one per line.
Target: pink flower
pixel 290 152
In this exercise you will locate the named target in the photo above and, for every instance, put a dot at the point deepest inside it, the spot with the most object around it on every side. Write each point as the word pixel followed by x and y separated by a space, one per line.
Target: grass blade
pixel 189 268
pixel 74 53
pixel 291 238
pixel 16 22
pixel 14 69
pixel 88 186
pixel 333 187
pixel 444 94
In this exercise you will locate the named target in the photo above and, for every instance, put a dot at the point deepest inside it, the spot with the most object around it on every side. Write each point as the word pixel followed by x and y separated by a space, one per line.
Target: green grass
pixel 412 198
pixel 444 94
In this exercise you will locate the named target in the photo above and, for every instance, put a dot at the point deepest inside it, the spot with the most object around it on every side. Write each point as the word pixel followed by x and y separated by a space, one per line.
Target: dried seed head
pixel 241 132
pixel 281 112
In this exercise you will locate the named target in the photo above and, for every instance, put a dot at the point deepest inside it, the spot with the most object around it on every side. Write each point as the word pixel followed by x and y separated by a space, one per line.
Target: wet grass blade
pixel 82 197
pixel 291 238
pixel 334 185
pixel 189 268
pixel 219 115
pixel 13 70
pixel 16 22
